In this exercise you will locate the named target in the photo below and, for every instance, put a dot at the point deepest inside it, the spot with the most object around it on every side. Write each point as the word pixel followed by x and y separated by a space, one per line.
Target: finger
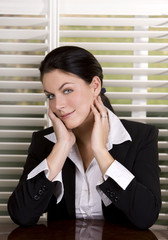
pixel 95 112
pixel 101 108
pixel 51 115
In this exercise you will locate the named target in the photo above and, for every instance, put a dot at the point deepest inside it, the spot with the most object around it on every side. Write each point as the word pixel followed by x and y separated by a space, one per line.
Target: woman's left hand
pixel 101 126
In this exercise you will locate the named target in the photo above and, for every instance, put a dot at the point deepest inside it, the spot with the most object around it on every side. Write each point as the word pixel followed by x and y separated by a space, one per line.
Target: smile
pixel 67 115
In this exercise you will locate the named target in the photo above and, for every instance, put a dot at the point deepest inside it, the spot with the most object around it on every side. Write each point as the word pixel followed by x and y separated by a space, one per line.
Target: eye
pixel 67 91
pixel 50 96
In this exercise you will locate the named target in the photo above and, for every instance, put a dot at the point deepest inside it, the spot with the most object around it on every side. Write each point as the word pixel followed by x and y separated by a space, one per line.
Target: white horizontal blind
pixel 133 52
pixel 28 30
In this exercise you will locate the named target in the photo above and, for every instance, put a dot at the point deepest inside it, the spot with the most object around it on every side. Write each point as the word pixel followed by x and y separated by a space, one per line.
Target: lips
pixel 67 115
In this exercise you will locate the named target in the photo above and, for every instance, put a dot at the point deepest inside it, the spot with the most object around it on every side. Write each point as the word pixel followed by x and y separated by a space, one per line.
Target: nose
pixel 60 102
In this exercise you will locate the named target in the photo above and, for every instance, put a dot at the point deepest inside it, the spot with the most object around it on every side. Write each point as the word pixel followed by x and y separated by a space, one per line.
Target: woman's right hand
pixel 60 151
pixel 62 133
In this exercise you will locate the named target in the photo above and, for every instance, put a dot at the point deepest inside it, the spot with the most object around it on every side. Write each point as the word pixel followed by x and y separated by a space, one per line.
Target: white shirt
pixel 88 195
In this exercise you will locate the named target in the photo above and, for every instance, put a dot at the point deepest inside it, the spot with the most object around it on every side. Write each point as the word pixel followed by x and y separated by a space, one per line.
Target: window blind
pixel 133 53
pixel 28 30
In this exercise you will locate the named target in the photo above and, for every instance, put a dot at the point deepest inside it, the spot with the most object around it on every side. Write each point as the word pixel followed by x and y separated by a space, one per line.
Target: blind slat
pixel 136 71
pixel 164 168
pixel 15 134
pixel 24 47
pixel 124 71
pixel 113 34
pixel 3 207
pixel 135 83
pixel 20 109
pixel 23 34
pixel 163 132
pixel 20 85
pixel 119 46
pixel 163 144
pixel 22 72
pixel 12 158
pixel 151 120
pixel 12 170
pixel 163 156
pixel 14 146
pixel 164 192
pixel 163 216
pixel 38 7
pixel 136 95
pixel 91 21
pixel 134 107
pixel 23 21
pixel 20 59
pixel 8 183
pixel 5 195
pixel 4 121
pixel 16 97
pixel 164 180
pixel 132 59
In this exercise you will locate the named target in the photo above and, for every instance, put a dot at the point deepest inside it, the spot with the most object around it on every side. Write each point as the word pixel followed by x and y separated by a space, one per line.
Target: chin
pixel 71 125
pixel 77 122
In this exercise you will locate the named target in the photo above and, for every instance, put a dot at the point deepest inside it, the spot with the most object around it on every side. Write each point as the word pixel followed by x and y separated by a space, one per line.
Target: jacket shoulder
pixel 43 132
pixel 139 129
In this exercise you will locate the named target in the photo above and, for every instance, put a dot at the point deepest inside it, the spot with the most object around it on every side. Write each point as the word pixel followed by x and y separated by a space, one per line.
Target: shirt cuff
pixel 104 198
pixel 121 175
pixel 43 166
pixel 40 168
pixel 59 190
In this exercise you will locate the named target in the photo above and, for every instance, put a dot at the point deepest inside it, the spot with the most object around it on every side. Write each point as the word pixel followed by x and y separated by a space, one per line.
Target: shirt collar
pixel 117 133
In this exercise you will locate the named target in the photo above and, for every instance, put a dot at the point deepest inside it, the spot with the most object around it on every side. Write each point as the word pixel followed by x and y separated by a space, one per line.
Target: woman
pixel 89 164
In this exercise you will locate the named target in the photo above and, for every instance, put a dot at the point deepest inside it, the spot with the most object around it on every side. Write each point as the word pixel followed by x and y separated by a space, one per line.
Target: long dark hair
pixel 74 60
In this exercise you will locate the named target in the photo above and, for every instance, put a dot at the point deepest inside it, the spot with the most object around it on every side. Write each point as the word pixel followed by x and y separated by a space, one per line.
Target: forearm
pixel 137 202
pixel 57 158
pixel 30 200
pixel 104 159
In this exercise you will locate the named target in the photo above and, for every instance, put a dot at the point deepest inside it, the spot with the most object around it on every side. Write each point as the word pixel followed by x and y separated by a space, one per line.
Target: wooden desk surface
pixel 80 230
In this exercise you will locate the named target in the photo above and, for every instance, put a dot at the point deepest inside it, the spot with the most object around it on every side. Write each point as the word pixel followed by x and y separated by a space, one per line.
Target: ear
pixel 95 86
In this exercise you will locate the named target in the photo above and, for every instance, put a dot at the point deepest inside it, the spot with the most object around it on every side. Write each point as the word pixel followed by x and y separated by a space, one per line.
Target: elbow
pixel 19 216
pixel 22 220
pixel 146 220
pixel 145 224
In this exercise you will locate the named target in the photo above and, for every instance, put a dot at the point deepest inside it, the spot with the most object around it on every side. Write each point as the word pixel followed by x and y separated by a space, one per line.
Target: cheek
pixel 52 105
pixel 83 103
pixel 85 97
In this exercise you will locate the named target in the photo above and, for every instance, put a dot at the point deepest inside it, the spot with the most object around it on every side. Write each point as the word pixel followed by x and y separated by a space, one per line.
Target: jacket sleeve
pixel 140 202
pixel 31 197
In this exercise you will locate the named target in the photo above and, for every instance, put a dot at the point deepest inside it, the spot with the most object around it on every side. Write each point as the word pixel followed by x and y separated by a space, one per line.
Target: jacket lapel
pixel 68 173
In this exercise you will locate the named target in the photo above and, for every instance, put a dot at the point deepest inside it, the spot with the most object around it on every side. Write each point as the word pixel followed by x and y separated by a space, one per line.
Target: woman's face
pixel 70 97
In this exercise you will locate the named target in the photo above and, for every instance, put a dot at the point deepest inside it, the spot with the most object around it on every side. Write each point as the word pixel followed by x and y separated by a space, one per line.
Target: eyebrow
pixel 60 86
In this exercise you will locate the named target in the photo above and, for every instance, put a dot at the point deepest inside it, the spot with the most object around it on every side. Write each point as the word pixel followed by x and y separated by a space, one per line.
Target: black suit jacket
pixel 139 204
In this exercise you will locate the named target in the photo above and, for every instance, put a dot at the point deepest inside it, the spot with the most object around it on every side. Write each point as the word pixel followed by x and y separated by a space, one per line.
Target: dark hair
pixel 74 60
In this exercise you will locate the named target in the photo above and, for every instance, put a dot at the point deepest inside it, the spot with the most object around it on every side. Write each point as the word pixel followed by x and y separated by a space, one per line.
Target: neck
pixel 84 131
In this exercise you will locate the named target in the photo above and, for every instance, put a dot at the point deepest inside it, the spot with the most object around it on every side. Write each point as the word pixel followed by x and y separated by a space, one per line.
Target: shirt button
pixel 116 199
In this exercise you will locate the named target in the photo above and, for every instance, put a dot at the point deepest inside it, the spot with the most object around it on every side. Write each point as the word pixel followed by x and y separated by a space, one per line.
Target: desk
pixel 79 230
